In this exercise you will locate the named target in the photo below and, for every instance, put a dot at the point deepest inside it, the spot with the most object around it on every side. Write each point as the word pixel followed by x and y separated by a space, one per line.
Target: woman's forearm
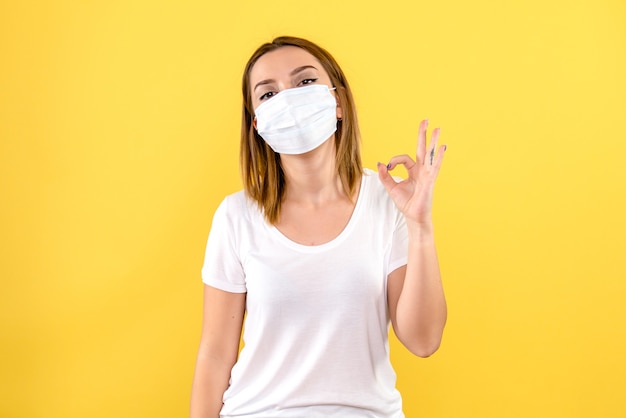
pixel 421 310
pixel 209 384
pixel 219 348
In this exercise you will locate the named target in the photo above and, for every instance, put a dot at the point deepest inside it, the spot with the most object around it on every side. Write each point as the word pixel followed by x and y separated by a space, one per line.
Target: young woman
pixel 317 254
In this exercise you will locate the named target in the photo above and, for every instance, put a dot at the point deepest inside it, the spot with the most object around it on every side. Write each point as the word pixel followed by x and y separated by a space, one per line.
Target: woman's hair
pixel 263 177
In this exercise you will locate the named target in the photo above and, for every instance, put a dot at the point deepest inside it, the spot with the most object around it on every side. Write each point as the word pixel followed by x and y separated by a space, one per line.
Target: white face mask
pixel 297 120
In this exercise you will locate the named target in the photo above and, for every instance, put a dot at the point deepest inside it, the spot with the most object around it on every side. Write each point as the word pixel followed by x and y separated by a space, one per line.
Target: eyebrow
pixel 292 73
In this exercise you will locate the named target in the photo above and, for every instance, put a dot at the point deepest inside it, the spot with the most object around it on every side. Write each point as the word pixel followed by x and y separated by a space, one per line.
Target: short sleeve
pixel 399 243
pixel 222 267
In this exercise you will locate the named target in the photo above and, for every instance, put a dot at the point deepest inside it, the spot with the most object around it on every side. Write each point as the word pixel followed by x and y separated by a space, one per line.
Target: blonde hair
pixel 263 177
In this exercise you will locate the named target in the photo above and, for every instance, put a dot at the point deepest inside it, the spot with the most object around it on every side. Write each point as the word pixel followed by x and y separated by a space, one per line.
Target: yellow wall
pixel 119 132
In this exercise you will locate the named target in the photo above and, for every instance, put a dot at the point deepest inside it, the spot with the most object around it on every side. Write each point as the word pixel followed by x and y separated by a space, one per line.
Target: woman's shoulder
pixel 372 184
pixel 238 206
pixel 236 200
pixel 375 196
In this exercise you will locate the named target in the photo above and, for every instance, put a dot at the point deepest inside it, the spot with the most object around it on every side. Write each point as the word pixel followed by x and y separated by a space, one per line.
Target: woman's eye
pixel 308 81
pixel 267 95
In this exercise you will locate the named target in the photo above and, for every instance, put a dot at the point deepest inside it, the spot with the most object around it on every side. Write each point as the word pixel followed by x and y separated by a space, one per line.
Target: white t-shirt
pixel 317 323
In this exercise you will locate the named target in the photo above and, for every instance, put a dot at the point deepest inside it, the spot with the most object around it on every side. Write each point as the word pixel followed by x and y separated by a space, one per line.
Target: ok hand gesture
pixel 414 196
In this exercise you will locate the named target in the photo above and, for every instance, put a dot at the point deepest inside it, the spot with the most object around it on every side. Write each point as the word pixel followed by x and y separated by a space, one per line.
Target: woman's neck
pixel 312 178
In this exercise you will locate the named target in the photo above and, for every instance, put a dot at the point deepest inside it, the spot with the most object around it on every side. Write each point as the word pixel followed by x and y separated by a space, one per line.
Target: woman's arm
pixel 416 300
pixel 219 346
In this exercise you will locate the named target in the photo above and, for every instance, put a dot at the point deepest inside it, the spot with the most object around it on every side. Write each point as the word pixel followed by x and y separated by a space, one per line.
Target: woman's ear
pixel 254 123
pixel 339 110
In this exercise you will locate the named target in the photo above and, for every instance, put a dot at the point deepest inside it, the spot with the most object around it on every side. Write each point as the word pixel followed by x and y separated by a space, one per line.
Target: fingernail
pixel 445 147
pixel 389 166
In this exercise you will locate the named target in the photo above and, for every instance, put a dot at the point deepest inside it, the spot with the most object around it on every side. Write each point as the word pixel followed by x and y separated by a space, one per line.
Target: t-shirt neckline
pixel 339 238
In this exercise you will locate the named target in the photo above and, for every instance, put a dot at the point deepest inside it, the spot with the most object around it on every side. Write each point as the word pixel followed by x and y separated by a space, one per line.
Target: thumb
pixel 385 177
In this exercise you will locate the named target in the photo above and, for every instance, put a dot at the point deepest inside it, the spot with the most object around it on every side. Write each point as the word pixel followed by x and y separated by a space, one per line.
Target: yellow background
pixel 119 124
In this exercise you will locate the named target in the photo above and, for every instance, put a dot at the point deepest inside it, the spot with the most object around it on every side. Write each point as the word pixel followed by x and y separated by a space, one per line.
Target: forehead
pixel 280 62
